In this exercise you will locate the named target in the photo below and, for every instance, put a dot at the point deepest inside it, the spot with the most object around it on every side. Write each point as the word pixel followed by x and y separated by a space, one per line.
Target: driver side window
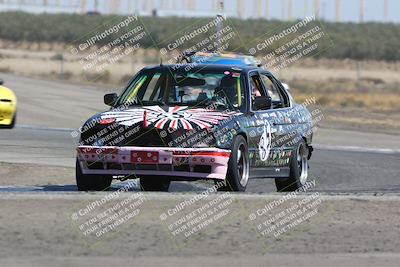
pixel 256 87
pixel 272 91
pixel 258 98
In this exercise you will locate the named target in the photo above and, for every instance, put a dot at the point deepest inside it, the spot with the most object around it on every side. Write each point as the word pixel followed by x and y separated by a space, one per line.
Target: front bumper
pixel 193 163
pixel 6 113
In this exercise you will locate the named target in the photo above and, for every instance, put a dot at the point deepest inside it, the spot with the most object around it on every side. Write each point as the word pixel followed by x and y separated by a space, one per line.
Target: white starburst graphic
pixel 264 146
pixel 176 117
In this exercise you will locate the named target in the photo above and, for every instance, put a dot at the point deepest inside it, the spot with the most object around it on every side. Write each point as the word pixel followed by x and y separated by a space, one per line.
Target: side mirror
pixel 109 99
pixel 262 102
pixel 1 82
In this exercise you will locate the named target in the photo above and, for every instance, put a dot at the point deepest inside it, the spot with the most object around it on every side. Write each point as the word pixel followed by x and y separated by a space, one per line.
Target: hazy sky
pixel 374 9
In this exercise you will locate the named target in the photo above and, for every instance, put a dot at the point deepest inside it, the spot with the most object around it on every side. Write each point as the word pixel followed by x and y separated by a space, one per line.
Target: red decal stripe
pixel 212 154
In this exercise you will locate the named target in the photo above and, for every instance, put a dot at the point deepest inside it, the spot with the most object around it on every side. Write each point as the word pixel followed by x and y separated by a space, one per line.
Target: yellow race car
pixel 8 107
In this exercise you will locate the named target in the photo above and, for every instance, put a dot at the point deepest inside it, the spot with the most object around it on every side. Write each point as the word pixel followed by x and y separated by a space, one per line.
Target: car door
pixel 283 120
pixel 262 133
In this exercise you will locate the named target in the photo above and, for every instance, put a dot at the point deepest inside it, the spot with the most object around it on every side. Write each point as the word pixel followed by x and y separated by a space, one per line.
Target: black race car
pixel 192 121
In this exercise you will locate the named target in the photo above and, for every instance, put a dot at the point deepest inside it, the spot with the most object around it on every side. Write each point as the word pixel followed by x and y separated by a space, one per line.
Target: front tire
pixel 237 176
pixel 91 182
pixel 155 183
pixel 298 170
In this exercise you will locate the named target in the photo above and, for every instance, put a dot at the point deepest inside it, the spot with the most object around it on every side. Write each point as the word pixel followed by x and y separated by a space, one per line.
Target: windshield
pixel 220 60
pixel 220 89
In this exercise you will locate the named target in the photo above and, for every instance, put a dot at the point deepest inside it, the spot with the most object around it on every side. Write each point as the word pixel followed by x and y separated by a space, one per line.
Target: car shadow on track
pixel 175 187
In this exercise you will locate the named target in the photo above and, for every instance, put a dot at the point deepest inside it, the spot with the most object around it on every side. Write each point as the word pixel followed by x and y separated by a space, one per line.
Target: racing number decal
pixel 264 147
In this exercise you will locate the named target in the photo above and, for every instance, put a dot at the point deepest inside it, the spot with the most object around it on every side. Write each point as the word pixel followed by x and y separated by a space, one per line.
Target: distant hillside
pixel 357 41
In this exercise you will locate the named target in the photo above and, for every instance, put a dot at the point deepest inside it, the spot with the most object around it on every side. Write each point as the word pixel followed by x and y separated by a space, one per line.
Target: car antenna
pixel 161 62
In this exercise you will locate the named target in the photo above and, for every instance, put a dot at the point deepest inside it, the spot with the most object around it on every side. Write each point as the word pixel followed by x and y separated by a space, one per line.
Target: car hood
pixel 7 94
pixel 169 117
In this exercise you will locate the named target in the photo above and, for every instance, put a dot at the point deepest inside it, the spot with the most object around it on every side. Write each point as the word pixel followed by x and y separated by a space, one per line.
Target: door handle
pixel 284 123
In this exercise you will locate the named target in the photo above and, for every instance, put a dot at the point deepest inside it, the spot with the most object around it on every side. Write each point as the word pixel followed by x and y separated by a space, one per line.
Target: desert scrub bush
pixel 378 41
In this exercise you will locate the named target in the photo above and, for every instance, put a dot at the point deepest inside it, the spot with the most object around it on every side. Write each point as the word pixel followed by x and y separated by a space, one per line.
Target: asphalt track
pixel 336 169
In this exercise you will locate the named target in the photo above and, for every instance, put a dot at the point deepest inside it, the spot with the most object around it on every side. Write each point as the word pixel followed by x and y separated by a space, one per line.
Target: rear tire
pixel 91 182
pixel 154 183
pixel 237 176
pixel 298 170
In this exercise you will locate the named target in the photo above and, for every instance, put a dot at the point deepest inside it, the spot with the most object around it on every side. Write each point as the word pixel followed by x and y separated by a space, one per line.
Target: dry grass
pixel 72 70
pixel 369 123
pixel 379 112
pixel 332 69
pixel 374 102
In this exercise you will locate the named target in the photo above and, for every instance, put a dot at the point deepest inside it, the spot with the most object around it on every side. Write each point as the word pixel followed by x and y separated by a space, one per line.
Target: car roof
pixel 224 59
pixel 197 67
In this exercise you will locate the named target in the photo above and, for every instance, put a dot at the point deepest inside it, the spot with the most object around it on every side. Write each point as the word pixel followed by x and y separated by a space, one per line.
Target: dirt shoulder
pixel 350 231
pixel 33 174
pixel 275 259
